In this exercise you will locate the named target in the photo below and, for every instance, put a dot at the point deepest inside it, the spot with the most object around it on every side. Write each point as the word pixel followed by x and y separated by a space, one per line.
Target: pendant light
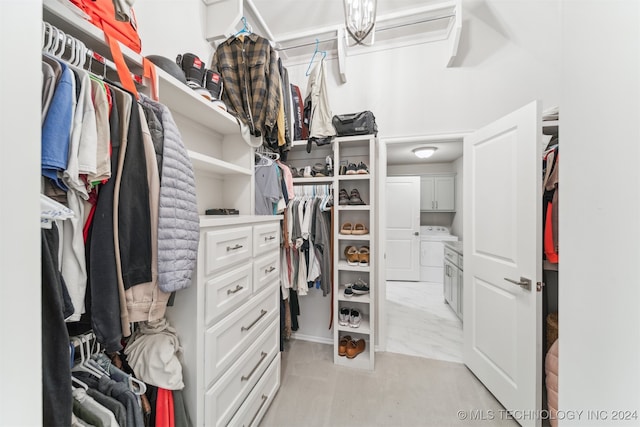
pixel 360 18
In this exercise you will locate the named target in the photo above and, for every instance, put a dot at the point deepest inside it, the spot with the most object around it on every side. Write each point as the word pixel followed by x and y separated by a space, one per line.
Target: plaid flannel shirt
pixel 249 70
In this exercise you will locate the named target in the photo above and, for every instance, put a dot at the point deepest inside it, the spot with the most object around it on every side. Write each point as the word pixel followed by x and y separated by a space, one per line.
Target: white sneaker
pixel 307 172
pixel 354 318
pixel 344 316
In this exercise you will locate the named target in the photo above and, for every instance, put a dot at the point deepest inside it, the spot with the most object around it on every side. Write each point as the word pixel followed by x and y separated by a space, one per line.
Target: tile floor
pixel 420 323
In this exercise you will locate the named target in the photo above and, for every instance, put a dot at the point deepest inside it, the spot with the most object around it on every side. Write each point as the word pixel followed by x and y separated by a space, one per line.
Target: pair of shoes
pixel 349 316
pixel 353 169
pixel 357 229
pixel 360 287
pixel 343 197
pixel 357 256
pixel 352 198
pixel 308 172
pixel 354 348
pixel 342 346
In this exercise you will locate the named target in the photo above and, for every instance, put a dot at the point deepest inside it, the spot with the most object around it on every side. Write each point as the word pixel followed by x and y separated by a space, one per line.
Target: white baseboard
pixel 311 338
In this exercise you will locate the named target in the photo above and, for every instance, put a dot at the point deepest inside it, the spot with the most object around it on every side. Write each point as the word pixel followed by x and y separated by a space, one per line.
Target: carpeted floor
pixel 402 391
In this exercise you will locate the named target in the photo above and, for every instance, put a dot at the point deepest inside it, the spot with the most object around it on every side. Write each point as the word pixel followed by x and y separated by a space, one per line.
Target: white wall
pixel 599 286
pixel 172 27
pixel 20 297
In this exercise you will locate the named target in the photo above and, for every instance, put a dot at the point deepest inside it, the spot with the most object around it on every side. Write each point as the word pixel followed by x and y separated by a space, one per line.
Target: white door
pixel 502 227
pixel 403 228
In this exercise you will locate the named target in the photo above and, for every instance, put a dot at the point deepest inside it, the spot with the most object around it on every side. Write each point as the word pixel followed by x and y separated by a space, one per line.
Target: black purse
pixel 362 123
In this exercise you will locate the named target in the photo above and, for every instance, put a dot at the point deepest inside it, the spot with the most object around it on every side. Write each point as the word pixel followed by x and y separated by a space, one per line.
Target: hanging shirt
pixel 249 69
pixel 267 189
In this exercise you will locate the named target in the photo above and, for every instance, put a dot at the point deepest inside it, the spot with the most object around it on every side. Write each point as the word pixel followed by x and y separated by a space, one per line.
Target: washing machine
pixel 432 238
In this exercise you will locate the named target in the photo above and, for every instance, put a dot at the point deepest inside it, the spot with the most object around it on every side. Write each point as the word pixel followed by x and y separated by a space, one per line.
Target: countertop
pixel 455 246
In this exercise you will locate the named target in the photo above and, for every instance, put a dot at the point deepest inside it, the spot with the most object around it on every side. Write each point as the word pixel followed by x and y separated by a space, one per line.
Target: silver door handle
pixel 269 270
pixel 524 282
pixel 246 328
pixel 237 289
pixel 266 239
pixel 264 400
pixel 233 248
pixel 246 377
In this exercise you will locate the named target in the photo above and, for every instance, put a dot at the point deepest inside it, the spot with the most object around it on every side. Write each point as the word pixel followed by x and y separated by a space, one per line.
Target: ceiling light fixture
pixel 424 152
pixel 360 18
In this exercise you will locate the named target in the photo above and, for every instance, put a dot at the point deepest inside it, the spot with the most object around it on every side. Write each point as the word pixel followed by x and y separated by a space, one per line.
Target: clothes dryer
pixel 432 238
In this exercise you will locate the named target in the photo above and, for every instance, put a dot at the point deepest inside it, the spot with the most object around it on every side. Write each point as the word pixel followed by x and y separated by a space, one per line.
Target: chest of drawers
pixel 228 321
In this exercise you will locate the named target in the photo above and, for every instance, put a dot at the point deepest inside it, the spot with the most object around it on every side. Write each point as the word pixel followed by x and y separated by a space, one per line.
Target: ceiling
pixel 400 153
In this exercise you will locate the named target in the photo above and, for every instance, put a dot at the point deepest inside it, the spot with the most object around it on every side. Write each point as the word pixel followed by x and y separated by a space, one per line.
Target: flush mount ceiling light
pixel 360 18
pixel 424 152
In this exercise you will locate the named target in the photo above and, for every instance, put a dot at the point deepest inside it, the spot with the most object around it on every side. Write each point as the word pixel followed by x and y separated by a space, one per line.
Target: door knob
pixel 524 282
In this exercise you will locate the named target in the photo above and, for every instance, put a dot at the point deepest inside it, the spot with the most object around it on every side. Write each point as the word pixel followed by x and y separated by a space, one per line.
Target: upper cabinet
pixel 437 193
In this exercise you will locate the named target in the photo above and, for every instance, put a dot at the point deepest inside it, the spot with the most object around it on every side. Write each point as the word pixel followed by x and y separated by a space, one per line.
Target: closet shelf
pixel 68 18
pixel 321 180
pixel 354 208
pixel 225 220
pixel 363 237
pixel 344 266
pixel 206 163
pixel 360 177
pixel 364 327
pixel 353 299
pixel 361 361
pixel 182 100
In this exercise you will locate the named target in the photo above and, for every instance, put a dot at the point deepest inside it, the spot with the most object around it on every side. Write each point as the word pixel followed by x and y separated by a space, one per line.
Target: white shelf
pixel 206 163
pixel 344 266
pixel 354 207
pixel 363 298
pixel 63 15
pixel 181 99
pixel 317 180
pixel 224 220
pixel 361 361
pixel 364 327
pixel 357 177
pixel 358 237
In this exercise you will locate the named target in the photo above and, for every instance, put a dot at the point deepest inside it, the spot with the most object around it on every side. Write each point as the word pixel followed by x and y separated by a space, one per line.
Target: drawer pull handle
pixel 246 328
pixel 269 270
pixel 262 356
pixel 233 248
pixel 266 239
pixel 264 400
pixel 238 288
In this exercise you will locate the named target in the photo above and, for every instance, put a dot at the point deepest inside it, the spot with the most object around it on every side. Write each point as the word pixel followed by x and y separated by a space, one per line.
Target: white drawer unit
pixel 227 291
pixel 266 238
pixel 256 404
pixel 453 285
pixel 228 320
pixel 227 339
pixel 228 394
pixel 266 269
pixel 226 247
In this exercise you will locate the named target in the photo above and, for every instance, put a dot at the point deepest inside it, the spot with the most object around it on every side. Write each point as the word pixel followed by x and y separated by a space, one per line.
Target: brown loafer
pixel 354 348
pixel 344 343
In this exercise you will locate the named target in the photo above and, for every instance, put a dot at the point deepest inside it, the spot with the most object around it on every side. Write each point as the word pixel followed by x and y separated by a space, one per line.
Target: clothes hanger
pixel 245 29
pixel 315 52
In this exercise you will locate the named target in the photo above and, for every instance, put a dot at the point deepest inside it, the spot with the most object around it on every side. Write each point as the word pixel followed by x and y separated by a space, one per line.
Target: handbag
pixel 362 123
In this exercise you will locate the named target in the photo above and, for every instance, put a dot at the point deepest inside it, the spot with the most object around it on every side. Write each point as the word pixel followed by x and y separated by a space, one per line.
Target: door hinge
pixel 539 286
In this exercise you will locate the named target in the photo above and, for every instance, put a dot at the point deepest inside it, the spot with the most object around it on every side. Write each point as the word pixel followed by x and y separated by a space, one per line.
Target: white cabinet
pixel 228 321
pixel 453 283
pixel 355 150
pixel 437 193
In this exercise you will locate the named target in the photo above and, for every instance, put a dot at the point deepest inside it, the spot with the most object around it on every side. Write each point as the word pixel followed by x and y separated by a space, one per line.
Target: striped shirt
pixel 249 69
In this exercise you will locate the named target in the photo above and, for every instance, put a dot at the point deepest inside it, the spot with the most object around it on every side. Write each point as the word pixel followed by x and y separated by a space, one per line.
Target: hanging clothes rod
pixel 392 27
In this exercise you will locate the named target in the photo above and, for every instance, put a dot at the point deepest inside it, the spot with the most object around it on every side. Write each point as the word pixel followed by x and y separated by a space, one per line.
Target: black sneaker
pixel 352 169
pixel 193 68
pixel 213 83
pixel 362 169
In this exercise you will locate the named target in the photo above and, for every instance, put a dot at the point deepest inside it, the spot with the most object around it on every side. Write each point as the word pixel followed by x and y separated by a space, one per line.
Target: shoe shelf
pixel 363 237
pixel 364 327
pixel 317 180
pixel 356 298
pixel 361 177
pixel 348 151
pixel 216 166
pixel 344 266
pixel 354 207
